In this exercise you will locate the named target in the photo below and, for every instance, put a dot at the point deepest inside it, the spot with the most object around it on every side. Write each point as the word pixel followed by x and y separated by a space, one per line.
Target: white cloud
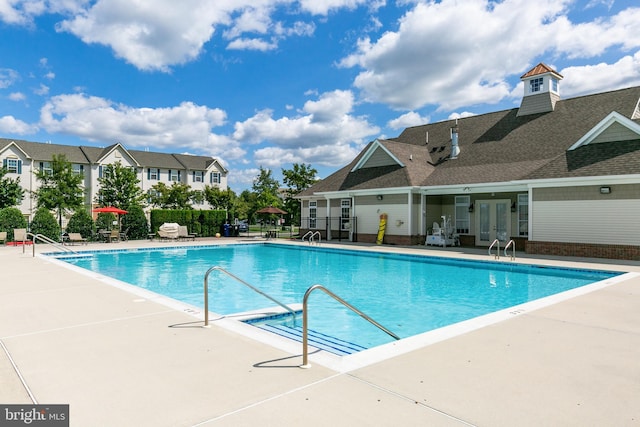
pixel 11 125
pixel 324 132
pixel 601 77
pixel 41 90
pixel 251 44
pixel 17 96
pixel 8 77
pixel 186 126
pixel 452 54
pixel 406 120
pixel 323 7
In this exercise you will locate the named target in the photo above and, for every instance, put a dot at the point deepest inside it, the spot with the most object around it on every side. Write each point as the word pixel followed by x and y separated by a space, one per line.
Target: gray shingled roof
pixel 500 147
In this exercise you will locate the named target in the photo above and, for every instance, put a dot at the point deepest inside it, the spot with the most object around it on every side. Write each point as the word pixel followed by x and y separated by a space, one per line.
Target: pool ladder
pixel 513 251
pixel 495 243
pixel 311 235
pixel 305 320
pixel 222 270
pixel 47 240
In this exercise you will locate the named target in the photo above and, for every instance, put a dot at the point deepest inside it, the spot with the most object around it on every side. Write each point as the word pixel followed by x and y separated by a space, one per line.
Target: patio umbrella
pixel 113 210
pixel 110 209
pixel 271 210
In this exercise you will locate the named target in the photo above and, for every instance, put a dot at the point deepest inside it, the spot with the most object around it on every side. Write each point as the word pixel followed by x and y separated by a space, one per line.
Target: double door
pixel 493 218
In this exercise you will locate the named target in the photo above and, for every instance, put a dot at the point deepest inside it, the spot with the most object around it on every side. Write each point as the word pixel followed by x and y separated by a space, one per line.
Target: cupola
pixel 541 90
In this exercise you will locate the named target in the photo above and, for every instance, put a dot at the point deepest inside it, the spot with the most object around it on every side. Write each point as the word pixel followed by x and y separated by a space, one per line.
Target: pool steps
pixel 316 339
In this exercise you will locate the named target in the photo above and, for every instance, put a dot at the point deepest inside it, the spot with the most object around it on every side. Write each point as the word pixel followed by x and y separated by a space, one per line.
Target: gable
pixel 377 155
pixel 117 153
pixel 613 128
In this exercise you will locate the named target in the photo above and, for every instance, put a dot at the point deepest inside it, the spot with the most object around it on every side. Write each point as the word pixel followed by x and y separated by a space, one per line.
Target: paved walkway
pixel 121 360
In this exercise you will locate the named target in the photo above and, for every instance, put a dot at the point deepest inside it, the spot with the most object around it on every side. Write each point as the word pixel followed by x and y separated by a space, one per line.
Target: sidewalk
pixel 121 360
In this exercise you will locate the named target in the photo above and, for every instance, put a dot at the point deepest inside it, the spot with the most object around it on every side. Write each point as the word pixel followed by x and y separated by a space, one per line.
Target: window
pixel 214 178
pixel 198 176
pixel 12 165
pixel 77 169
pixel 554 85
pixel 313 214
pixel 174 175
pixel 153 174
pixel 45 167
pixel 536 85
pixel 523 215
pixel 345 214
pixel 462 214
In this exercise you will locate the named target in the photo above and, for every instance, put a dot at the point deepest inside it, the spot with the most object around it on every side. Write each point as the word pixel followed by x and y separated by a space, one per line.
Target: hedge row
pixel 204 223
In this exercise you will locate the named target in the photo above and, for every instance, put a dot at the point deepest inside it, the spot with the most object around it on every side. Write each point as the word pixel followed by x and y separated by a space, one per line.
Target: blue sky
pixel 275 82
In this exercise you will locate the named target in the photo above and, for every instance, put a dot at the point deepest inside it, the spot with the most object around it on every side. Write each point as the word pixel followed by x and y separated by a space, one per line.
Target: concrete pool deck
pixel 121 360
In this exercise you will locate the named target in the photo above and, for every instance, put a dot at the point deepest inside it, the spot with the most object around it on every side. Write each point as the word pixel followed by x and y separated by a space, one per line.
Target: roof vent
pixel 455 149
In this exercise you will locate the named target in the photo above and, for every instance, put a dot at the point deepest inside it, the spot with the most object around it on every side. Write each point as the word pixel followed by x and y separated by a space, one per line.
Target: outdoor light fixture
pixel 379 197
pixel 605 190
pixel 471 207
pixel 513 207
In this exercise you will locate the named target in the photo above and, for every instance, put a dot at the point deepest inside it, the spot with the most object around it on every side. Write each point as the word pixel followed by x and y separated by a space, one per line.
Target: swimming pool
pixel 408 294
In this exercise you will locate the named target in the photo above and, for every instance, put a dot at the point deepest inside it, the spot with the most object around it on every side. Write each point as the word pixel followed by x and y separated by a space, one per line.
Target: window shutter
pixel 99 171
pixel 19 166
pixel 178 176
pixel 148 173
pixel 169 174
pixel 41 166
pixel 82 169
pixel 4 163
pixel 194 176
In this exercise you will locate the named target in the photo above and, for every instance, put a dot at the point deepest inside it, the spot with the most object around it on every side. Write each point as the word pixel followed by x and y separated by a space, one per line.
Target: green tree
pixel 119 187
pixel 219 199
pixel 60 188
pixel 298 179
pixel 11 218
pixel 81 222
pixel 11 192
pixel 178 196
pixel 266 188
pixel 135 223
pixel 105 221
pixel 45 223
pixel 245 205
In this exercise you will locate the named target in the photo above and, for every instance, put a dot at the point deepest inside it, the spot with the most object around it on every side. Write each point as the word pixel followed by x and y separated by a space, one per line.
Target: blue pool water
pixel 408 294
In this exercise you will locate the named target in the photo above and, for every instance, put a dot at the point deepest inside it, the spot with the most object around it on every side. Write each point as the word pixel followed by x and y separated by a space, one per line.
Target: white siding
pixel 593 221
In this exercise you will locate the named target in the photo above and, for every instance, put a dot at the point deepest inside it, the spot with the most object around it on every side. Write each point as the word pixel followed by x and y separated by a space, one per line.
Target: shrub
pixel 135 222
pixel 105 221
pixel 45 223
pixel 11 218
pixel 81 222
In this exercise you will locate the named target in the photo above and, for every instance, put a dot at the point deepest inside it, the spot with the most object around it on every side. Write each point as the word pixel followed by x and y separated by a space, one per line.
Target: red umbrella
pixel 110 209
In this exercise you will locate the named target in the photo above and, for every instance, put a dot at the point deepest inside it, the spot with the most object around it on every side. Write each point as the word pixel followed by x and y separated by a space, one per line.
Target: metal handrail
pixel 305 321
pixel 497 255
pixel 513 253
pixel 311 235
pixel 46 240
pixel 206 293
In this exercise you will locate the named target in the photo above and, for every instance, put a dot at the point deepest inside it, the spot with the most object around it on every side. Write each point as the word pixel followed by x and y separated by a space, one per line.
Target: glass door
pixel 493 221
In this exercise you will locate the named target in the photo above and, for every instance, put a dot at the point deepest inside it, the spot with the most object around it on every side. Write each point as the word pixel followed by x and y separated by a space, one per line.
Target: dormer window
pixel 554 85
pixel 536 85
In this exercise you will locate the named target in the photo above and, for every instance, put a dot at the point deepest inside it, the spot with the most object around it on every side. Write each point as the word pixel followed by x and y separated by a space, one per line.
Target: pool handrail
pixel 305 320
pixel 513 253
pixel 496 242
pixel 46 240
pixel 311 235
pixel 206 293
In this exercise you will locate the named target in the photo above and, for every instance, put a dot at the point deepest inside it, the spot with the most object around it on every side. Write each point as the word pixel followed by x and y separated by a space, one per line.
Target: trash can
pixel 226 230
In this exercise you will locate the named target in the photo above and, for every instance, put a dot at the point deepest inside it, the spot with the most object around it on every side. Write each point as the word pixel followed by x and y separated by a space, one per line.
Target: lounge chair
pixel 183 233
pixel 19 235
pixel 74 238
pixel 3 237
pixel 168 230
pixel 123 235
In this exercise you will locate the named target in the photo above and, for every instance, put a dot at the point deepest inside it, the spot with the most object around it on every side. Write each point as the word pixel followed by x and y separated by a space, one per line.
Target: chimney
pixel 455 149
